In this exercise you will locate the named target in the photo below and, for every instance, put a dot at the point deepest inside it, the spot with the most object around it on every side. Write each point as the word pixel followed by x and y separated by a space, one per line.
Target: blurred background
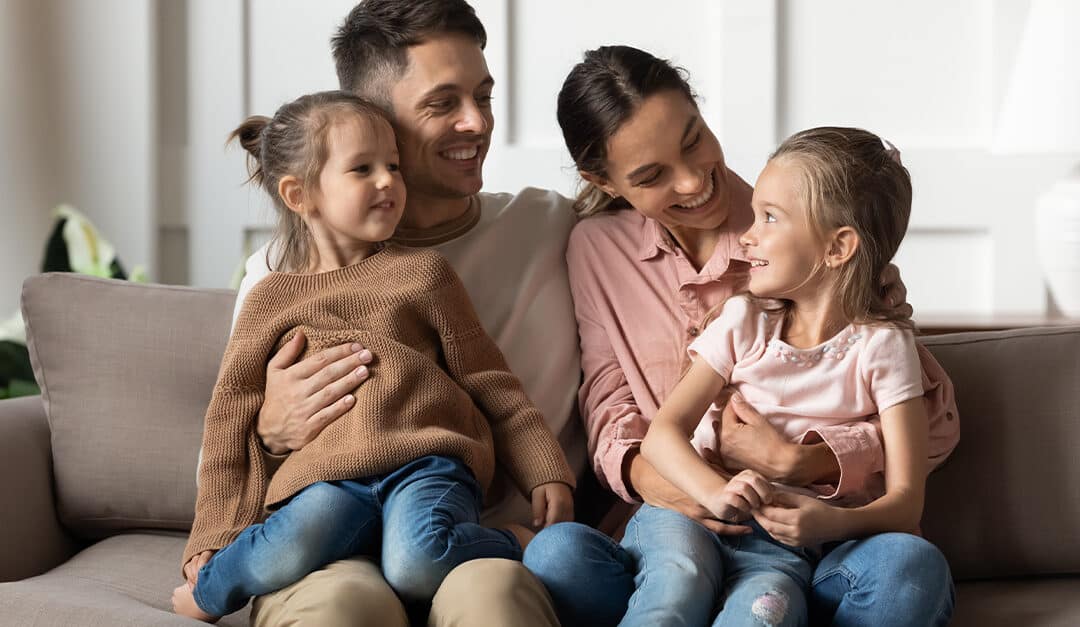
pixel 121 108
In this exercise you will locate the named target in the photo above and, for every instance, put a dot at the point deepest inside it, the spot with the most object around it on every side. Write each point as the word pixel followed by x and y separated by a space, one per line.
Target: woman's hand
pixel 748 441
pixel 658 492
pixel 894 291
pixel 798 520
pixel 195 564
pixel 744 493
pixel 552 503
pixel 303 398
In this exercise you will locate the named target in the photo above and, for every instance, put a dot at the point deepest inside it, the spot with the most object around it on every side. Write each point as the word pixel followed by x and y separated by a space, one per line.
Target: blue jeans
pixel 670 570
pixel 421 519
pixel 592 579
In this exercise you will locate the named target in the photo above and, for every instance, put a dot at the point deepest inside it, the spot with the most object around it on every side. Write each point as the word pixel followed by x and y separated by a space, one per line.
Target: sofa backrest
pixel 126 371
pixel 1007 502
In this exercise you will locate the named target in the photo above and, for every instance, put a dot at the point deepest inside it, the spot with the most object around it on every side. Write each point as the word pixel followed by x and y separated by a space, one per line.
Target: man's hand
pixel 195 564
pixel 302 398
pixel 894 291
pixel 658 492
pixel 552 503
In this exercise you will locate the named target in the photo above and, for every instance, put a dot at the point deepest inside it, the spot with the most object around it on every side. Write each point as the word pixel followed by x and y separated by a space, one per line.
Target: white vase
pixel 1057 227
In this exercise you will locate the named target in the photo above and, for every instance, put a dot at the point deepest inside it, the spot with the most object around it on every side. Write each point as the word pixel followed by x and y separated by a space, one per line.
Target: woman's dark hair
pixel 597 97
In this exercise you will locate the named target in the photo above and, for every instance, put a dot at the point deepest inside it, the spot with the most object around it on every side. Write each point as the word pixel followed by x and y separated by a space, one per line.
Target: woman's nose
pixel 689 180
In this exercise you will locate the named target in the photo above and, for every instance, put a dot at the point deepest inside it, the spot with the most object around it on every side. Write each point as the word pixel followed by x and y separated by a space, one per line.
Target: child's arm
pixel 667 447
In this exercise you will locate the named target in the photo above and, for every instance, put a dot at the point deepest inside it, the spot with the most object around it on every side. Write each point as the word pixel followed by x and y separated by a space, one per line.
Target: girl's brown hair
pixel 293 143
pixel 850 178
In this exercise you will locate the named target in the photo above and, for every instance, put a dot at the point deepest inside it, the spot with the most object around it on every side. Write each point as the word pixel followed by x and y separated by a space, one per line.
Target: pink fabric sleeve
pixel 890 367
pixel 858 448
pixel 729 337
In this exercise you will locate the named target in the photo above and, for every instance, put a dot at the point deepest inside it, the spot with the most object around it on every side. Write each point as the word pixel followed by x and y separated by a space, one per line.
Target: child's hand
pixel 744 493
pixel 798 520
pixel 195 564
pixel 552 503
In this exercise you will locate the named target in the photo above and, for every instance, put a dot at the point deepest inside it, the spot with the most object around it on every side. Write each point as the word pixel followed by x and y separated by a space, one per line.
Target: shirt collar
pixel 656 240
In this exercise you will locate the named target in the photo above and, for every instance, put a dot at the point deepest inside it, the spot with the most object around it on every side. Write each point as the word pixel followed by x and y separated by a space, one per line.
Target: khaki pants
pixel 353 592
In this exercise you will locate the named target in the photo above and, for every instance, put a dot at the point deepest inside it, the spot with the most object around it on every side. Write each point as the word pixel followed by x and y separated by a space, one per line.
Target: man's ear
pixel 842 246
pixel 600 182
pixel 291 190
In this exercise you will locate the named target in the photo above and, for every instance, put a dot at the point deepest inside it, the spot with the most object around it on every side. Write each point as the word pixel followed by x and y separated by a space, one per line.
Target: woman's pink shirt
pixel 640 302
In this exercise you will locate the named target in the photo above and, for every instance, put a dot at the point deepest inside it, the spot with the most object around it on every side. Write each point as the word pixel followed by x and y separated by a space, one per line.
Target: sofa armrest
pixel 33 540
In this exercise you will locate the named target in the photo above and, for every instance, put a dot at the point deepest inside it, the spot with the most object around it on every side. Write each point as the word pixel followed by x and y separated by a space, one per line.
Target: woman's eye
pixel 484 101
pixel 693 144
pixel 649 181
pixel 440 104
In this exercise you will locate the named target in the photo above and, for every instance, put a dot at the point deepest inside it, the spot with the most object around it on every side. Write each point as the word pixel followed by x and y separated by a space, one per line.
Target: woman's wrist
pixel 805 464
pixel 266 440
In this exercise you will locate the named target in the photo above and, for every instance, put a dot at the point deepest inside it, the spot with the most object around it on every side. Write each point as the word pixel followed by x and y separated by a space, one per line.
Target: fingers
pixel 725 529
pixel 781 531
pixel 336 380
pixel 321 419
pixel 334 356
pixel 195 564
pixel 744 411
pixel 560 510
pixel 289 353
pixel 539 505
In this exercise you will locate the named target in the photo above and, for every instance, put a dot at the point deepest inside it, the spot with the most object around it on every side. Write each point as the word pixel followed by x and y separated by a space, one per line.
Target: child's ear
pixel 842 246
pixel 291 190
pixel 599 181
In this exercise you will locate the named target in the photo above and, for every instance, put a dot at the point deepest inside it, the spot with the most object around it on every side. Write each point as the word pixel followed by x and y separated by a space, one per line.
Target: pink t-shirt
pixel 852 377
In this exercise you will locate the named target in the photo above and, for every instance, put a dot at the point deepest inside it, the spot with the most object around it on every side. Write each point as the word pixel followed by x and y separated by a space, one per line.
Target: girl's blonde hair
pixel 293 143
pixel 850 178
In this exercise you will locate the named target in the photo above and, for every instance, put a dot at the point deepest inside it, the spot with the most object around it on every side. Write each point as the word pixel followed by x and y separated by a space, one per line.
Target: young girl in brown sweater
pixel 402 474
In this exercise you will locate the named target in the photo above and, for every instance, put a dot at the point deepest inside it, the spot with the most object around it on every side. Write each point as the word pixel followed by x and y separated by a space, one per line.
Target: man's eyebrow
pixel 686 131
pixel 487 82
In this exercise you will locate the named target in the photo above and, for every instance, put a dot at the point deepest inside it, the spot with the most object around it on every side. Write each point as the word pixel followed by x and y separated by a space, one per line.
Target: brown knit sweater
pixel 438 386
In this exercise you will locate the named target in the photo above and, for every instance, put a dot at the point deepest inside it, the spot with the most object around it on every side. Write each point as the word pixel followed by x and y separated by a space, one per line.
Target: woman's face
pixel 668 165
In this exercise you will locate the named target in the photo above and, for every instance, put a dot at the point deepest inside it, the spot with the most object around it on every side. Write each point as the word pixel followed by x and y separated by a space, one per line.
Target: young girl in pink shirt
pixel 812 344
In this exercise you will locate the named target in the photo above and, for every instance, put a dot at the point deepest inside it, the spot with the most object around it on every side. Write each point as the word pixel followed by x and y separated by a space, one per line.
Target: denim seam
pixel 839 570
pixel 439 501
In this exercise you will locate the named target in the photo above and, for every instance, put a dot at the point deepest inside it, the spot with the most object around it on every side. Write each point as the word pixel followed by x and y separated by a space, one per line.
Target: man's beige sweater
pixel 438 386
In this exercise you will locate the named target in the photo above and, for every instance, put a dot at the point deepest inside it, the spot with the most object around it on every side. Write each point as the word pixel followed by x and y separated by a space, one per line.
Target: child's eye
pixel 362 169
pixel 393 167
pixel 769 217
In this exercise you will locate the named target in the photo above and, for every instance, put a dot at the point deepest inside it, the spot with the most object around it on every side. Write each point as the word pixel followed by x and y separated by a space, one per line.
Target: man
pixel 424 63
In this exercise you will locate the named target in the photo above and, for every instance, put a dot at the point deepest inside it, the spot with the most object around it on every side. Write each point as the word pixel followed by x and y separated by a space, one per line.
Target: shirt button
pixel 693 331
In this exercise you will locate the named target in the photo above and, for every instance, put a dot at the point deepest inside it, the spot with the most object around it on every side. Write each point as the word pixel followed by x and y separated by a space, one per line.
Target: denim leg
pixel 431 516
pixel 766 582
pixel 324 522
pixel 679 569
pixel 886 579
pixel 589 576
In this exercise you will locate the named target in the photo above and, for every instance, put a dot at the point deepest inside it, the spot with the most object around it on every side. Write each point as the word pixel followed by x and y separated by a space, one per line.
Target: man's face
pixel 442 115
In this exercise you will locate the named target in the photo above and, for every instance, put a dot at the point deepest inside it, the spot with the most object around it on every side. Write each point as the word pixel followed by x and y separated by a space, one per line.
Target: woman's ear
pixel 842 246
pixel 291 190
pixel 600 182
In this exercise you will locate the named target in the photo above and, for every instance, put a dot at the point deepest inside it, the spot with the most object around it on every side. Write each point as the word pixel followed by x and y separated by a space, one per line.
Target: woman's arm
pixel 804 521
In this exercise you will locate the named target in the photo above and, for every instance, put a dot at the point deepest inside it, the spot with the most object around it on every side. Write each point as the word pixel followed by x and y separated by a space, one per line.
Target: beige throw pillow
pixel 126 371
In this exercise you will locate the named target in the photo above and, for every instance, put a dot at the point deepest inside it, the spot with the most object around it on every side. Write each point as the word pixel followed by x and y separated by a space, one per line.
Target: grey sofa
pixel 99 470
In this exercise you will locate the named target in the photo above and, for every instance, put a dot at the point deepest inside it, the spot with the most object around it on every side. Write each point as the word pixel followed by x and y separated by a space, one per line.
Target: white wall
pixel 928 75
pixel 76 127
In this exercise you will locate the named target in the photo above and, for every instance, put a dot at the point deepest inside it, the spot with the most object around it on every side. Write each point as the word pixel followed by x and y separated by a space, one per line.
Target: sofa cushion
pixel 126 371
pixel 1007 502
pixel 125 580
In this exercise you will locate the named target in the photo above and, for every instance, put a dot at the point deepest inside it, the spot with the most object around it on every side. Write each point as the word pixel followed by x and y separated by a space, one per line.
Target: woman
pixel 660 252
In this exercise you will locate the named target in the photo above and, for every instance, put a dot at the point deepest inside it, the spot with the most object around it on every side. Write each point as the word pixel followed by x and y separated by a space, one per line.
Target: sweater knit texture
pixel 438 386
